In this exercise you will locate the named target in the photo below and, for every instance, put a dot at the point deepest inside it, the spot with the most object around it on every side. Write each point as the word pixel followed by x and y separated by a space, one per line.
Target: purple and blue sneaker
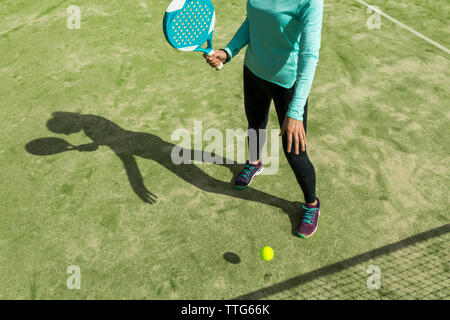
pixel 247 174
pixel 310 220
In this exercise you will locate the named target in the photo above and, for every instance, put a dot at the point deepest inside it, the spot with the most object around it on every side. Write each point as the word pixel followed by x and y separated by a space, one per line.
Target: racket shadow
pixel 48 146
pixel 127 145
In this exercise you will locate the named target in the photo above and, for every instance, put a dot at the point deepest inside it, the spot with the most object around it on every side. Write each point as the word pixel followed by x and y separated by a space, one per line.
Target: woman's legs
pixel 303 168
pixel 258 94
pixel 257 103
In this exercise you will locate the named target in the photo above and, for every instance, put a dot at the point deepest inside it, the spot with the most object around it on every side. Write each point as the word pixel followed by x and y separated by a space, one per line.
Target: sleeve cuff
pixel 229 53
pixel 296 109
pixel 295 115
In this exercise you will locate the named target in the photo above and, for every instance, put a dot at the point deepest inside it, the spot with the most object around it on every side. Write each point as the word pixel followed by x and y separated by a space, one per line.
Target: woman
pixel 283 39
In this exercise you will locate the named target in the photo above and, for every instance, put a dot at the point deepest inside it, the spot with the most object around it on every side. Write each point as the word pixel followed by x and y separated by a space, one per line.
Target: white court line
pixel 434 43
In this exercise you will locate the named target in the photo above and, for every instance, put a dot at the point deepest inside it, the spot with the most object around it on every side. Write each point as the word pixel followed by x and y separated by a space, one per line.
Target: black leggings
pixel 258 94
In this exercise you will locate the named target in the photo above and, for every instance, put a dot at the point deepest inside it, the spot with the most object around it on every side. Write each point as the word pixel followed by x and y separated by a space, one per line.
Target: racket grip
pixel 221 64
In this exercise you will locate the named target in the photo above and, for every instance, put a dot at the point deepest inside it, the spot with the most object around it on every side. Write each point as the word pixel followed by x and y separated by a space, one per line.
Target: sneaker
pixel 247 174
pixel 310 220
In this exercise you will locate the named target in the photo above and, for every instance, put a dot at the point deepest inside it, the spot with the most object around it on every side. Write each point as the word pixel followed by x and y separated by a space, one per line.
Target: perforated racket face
pixel 189 23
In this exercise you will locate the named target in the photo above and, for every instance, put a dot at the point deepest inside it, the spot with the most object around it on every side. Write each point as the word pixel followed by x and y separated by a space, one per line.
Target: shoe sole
pixel 303 236
pixel 245 187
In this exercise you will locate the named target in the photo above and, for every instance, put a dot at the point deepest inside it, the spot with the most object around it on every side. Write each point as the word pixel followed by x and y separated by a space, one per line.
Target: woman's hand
pixel 294 131
pixel 219 56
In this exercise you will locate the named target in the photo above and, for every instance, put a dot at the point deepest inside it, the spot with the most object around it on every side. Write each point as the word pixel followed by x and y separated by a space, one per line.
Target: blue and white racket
pixel 188 24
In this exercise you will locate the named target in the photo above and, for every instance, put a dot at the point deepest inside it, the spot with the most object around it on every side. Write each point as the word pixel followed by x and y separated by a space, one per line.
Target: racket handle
pixel 221 64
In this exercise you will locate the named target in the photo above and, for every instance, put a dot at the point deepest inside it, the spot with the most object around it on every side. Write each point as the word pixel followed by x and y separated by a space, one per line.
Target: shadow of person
pixel 128 144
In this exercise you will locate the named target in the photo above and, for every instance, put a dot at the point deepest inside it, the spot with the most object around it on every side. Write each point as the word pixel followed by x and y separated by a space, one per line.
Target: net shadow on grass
pixel 414 268
pixel 127 145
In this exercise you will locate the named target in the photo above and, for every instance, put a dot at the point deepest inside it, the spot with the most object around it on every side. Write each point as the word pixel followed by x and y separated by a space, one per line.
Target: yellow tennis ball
pixel 267 253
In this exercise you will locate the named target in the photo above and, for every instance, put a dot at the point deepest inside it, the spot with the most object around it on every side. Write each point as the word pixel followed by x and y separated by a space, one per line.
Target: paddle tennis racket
pixel 188 24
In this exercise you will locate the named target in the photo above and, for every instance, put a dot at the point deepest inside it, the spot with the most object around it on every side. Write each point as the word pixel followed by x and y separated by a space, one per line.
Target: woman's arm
pixel 311 16
pixel 311 28
pixel 240 40
pixel 135 178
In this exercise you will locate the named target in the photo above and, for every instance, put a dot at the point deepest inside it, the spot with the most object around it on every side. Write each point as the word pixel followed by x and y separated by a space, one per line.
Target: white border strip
pixel 434 43
pixel 175 5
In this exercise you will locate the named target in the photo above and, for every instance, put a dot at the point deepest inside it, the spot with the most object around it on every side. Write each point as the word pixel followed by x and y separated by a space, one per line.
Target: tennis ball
pixel 267 253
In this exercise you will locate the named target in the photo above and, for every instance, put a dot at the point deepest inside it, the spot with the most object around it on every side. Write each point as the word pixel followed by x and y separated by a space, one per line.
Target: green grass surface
pixel 378 137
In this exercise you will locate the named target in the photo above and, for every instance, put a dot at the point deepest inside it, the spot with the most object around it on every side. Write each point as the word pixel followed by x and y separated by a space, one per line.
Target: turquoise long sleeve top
pixel 283 38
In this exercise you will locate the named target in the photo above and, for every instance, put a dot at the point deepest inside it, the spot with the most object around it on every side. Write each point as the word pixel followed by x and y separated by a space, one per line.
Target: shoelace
pixel 309 214
pixel 248 169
